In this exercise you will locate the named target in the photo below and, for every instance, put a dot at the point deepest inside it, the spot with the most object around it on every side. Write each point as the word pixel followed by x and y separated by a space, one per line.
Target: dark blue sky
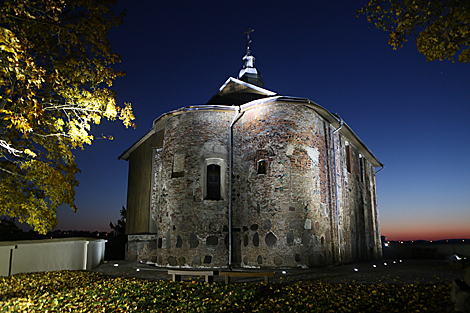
pixel 412 114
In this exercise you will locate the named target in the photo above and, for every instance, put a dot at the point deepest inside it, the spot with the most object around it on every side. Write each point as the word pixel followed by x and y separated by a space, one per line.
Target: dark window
pixel 262 167
pixel 213 182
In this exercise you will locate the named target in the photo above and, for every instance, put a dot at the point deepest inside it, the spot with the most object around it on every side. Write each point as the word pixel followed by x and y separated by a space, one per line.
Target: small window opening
pixel 213 182
pixel 262 167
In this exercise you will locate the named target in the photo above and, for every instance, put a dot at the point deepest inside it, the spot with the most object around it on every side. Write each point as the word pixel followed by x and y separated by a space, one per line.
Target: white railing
pixel 27 256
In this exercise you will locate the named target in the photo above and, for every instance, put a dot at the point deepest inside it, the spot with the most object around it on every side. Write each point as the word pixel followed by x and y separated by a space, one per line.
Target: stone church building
pixel 251 179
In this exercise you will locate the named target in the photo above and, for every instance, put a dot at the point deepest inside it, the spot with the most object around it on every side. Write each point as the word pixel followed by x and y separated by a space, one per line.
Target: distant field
pixel 80 291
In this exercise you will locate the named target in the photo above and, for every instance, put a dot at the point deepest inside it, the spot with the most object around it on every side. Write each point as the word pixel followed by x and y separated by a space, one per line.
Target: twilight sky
pixel 412 114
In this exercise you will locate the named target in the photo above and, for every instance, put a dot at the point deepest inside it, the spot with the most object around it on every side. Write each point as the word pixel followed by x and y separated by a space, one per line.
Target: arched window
pixel 261 167
pixel 213 182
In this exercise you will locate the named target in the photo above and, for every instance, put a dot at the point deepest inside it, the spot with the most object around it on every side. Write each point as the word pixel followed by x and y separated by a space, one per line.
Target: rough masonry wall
pixel 365 230
pixel 284 216
pixel 300 196
pixel 192 231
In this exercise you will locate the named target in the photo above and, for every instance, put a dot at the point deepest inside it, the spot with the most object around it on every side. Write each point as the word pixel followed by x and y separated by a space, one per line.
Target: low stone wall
pixel 142 248
pixel 27 256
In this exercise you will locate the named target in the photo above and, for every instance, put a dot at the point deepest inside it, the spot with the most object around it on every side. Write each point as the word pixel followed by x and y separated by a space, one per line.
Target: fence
pixel 50 255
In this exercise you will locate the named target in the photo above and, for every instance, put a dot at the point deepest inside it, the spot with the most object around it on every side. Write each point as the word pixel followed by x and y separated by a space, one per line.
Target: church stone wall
pixel 302 196
pixel 192 231
pixel 285 216
pixel 365 241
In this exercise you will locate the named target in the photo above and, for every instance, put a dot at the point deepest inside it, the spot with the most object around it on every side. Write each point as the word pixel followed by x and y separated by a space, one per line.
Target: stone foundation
pixel 142 248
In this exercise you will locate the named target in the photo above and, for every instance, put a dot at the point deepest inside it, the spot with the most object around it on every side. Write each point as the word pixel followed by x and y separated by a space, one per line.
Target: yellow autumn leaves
pixel 56 70
pixel 441 28
pixel 79 291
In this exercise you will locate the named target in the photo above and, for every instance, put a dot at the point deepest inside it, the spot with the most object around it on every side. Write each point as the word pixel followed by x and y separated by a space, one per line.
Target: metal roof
pixel 233 85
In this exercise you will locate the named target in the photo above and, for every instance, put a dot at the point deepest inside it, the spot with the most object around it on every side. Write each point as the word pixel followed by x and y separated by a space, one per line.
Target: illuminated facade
pixel 251 179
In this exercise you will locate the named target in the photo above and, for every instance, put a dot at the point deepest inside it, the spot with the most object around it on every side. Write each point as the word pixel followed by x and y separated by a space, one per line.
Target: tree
pixel 441 27
pixel 55 78
pixel 120 226
pixel 9 230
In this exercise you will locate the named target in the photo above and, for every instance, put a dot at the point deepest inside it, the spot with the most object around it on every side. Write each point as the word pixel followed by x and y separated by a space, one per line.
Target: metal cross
pixel 248 31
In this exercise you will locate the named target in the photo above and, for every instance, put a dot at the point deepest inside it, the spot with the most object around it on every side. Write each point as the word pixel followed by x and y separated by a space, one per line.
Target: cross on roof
pixel 248 31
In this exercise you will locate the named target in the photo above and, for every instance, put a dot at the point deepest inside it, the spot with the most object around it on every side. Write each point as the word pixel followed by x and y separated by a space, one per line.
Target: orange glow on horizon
pixel 417 233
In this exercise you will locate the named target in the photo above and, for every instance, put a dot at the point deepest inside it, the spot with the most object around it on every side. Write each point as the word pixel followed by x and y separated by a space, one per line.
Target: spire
pixel 249 73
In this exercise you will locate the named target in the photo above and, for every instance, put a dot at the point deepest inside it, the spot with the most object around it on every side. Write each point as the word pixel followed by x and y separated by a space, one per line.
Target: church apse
pixel 253 179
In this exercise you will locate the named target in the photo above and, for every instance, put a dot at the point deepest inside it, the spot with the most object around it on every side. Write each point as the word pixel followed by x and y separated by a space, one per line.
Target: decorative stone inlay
pixel 290 238
pixel 212 241
pixel 270 239
pixel 256 239
pixel 308 224
pixel 259 259
pixel 294 224
pixel 196 261
pixel 172 261
pixel 297 257
pixel 207 259
pixel 181 261
pixel 193 241
pixel 178 163
pixel 179 242
pixel 267 224
pixel 254 227
pixel 305 238
pixel 277 260
pixel 168 239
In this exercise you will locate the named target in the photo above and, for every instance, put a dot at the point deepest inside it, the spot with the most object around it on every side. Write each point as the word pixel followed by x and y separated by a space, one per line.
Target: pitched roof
pixel 237 92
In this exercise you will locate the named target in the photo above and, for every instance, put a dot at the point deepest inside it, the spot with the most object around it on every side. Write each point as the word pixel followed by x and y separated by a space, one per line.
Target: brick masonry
pixel 297 211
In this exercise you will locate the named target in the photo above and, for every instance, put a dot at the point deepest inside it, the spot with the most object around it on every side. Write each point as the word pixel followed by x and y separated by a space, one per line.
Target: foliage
pixel 441 28
pixel 120 226
pixel 79 291
pixel 55 78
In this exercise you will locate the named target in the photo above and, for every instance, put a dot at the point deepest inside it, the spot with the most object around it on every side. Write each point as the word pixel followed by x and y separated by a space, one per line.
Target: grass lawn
pixel 81 291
